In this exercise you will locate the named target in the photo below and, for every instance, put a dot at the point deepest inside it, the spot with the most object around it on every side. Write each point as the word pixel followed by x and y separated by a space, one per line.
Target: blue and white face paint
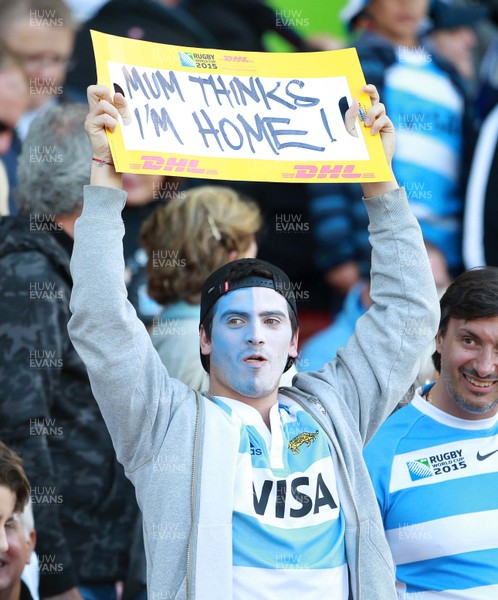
pixel 251 340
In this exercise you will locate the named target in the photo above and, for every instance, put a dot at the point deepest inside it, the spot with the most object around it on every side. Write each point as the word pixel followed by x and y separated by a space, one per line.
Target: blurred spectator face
pixel 13 102
pixel 456 45
pixel 7 503
pixel 143 189
pixel 13 560
pixel 439 267
pixel 44 54
pixel 398 20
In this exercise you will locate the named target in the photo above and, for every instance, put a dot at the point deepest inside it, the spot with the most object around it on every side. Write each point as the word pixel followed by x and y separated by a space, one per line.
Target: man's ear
pixel 439 341
pixel 31 544
pixel 204 341
pixel 294 344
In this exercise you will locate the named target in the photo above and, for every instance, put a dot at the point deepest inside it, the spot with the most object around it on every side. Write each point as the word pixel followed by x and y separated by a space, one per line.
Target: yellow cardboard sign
pixel 246 116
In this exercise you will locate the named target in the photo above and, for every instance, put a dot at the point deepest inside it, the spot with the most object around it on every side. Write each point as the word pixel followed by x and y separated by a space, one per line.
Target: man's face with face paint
pixel 251 340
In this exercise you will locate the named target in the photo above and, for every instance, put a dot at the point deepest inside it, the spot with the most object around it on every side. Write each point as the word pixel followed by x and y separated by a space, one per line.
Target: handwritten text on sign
pixel 240 116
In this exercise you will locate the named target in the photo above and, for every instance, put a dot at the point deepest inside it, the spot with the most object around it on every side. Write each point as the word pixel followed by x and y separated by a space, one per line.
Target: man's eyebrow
pixel 465 331
pixel 273 313
pixel 234 312
pixel 243 313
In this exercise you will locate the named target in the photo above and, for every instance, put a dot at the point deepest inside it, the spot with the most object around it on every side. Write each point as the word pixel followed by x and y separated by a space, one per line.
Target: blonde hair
pixel 191 236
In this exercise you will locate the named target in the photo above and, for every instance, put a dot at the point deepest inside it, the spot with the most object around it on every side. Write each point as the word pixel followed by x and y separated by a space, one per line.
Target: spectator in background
pixel 17 536
pixel 480 229
pixel 13 102
pixel 456 44
pixel 19 578
pixel 40 35
pixel 434 463
pixel 453 33
pixel 84 507
pixel 480 225
pixel 425 97
pixel 13 96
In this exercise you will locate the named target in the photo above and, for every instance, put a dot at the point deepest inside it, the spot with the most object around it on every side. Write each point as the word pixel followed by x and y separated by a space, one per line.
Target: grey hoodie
pixel 179 449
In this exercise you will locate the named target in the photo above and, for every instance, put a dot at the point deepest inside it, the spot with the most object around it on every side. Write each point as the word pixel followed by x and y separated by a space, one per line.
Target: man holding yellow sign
pixel 251 491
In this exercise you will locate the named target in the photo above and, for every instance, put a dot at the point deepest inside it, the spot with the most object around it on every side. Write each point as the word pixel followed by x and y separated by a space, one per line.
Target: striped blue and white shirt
pixel 288 526
pixel 427 111
pixel 436 480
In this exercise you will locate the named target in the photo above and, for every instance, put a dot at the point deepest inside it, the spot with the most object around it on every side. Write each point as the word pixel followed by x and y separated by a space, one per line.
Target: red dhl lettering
pixel 236 58
pixel 326 172
pixel 179 165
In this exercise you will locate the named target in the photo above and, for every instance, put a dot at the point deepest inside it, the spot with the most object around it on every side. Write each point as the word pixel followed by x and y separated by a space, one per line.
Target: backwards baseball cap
pixel 244 273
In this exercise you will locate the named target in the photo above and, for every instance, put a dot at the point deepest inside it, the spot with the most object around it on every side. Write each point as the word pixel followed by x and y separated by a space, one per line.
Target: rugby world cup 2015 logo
pixel 419 468
pixel 186 59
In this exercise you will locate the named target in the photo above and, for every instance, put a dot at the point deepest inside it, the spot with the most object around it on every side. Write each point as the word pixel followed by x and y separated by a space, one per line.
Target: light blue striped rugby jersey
pixel 288 526
pixel 427 111
pixel 436 480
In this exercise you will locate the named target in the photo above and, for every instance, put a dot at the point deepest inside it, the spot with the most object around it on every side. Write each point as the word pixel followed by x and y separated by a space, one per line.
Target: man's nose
pixel 255 332
pixel 486 362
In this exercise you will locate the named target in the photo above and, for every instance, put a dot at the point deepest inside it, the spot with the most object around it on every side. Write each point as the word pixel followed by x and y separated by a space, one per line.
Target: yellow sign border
pixel 344 63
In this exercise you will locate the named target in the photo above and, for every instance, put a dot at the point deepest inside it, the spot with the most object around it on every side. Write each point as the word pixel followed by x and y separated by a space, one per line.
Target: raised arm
pixel 380 361
pixel 337 212
pixel 129 381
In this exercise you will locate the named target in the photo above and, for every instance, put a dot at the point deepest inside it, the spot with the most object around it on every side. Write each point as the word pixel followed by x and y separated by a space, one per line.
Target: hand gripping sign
pixel 247 116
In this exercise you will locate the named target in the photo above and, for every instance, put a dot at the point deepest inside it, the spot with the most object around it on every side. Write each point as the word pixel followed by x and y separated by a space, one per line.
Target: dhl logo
pixel 230 58
pixel 326 172
pixel 178 165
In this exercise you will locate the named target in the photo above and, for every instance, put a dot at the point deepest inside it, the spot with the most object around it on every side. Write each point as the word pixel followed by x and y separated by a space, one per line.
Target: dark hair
pixel 241 270
pixel 473 295
pixel 13 477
